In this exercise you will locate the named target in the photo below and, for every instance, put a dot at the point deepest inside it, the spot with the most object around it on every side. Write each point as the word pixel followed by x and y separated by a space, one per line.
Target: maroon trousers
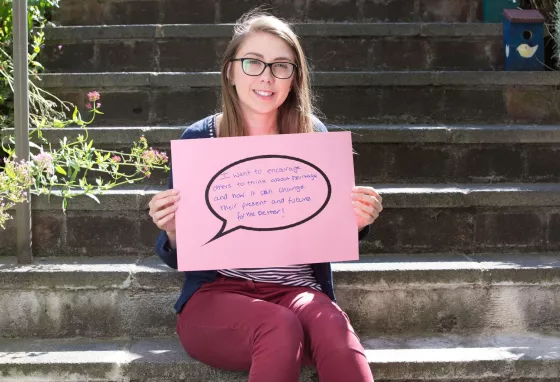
pixel 271 330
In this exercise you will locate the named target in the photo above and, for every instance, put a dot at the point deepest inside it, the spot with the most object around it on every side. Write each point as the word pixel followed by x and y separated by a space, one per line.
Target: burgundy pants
pixel 271 330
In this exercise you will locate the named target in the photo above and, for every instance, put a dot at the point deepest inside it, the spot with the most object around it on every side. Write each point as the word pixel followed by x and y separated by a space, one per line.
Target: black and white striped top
pixel 293 275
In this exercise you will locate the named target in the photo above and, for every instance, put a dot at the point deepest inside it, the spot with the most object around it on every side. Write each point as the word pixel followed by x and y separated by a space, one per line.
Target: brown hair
pixel 294 115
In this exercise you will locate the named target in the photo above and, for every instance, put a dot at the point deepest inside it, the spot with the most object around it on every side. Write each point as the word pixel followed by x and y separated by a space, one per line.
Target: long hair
pixel 294 115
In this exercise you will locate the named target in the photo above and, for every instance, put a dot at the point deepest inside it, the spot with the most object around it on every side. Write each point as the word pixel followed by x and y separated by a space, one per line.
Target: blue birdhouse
pixel 493 10
pixel 523 40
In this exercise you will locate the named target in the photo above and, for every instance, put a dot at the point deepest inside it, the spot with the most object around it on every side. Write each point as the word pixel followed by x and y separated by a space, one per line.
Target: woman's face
pixel 264 93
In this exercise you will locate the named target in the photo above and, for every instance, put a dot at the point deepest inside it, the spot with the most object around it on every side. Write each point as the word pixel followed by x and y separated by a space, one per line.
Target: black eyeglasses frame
pixel 266 64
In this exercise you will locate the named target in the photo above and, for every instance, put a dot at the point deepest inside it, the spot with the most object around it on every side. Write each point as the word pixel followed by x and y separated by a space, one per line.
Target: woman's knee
pixel 283 326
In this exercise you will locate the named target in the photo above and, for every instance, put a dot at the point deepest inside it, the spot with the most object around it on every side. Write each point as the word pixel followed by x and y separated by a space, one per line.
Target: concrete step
pixel 400 154
pixel 329 47
pixel 89 12
pixel 484 294
pixel 527 358
pixel 137 99
pixel 417 219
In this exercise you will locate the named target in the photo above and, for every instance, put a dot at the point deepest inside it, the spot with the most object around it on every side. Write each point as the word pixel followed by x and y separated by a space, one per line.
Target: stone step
pixel 466 218
pixel 527 358
pixel 329 47
pixel 400 153
pixel 90 12
pixel 484 294
pixel 133 99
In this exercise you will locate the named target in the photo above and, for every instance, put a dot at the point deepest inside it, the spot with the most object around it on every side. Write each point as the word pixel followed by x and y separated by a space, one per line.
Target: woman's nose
pixel 267 75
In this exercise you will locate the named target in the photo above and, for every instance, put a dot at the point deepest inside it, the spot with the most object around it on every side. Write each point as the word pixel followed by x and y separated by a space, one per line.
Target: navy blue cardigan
pixel 195 279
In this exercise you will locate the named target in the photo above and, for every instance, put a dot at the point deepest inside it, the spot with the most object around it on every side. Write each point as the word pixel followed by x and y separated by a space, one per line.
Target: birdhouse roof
pixel 523 15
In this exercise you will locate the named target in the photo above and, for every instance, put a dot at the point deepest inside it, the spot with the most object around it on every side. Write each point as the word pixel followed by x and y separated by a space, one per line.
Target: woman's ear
pixel 229 75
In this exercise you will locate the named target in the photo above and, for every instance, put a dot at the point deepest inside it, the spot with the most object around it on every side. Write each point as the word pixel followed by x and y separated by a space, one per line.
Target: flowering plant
pixel 74 168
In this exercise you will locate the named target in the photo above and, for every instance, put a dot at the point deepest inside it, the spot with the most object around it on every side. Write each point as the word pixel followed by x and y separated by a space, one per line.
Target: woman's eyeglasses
pixel 256 67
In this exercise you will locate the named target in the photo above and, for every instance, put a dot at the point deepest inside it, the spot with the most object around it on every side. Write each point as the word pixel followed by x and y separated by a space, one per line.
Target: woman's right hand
pixel 162 210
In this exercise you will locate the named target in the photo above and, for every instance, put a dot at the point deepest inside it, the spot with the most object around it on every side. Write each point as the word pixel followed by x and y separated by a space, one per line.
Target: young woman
pixel 269 321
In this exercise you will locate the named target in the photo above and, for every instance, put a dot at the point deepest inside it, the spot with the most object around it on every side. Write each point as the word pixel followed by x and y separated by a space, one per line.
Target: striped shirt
pixel 293 275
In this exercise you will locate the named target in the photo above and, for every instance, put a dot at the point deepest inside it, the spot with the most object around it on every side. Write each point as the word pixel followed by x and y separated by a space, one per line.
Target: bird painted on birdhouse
pixel 526 51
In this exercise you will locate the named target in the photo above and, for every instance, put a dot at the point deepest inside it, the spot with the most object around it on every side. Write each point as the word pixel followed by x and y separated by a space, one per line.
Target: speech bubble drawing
pixel 267 193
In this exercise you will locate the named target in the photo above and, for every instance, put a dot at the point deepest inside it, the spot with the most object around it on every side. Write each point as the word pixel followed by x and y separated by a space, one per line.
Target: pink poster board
pixel 264 201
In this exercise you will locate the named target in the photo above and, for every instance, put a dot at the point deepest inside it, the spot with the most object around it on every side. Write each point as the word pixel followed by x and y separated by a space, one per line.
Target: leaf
pixel 75 114
pixel 94 198
pixel 60 170
pixel 10 172
pixel 35 145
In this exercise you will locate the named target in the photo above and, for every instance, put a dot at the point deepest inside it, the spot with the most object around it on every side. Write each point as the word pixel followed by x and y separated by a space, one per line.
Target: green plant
pixel 38 16
pixel 75 167
pixel 38 13
pixel 66 171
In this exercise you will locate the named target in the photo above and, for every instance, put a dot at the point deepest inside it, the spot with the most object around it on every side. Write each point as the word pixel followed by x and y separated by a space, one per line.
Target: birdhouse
pixel 523 40
pixel 493 10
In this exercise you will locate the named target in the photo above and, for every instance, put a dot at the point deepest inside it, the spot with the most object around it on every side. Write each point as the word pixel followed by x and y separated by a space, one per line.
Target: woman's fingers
pixel 163 199
pixel 368 191
pixel 367 203
pixel 367 208
pixel 161 223
pixel 368 219
pixel 159 215
pixel 369 200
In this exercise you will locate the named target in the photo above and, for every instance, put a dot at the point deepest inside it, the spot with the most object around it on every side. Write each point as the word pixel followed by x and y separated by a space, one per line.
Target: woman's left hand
pixel 367 205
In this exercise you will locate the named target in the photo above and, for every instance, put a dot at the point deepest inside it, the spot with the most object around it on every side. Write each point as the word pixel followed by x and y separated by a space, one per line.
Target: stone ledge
pixel 451 134
pixel 441 270
pixel 438 293
pixel 395 196
pixel 180 80
pixel 455 134
pixel 450 358
pixel 326 30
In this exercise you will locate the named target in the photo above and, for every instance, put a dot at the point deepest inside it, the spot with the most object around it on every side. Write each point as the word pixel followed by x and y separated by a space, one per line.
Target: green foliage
pixel 38 13
pixel 66 171
pixel 75 167
pixel 38 16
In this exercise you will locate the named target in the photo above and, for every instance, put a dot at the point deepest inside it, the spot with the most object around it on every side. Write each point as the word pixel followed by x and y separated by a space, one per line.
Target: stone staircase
pixel 459 280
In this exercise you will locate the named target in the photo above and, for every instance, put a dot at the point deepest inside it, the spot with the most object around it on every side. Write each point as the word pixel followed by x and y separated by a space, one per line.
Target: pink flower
pixel 59 48
pixel 154 156
pixel 88 106
pixel 43 158
pixel 99 104
pixel 116 158
pixel 93 96
pixel 44 162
